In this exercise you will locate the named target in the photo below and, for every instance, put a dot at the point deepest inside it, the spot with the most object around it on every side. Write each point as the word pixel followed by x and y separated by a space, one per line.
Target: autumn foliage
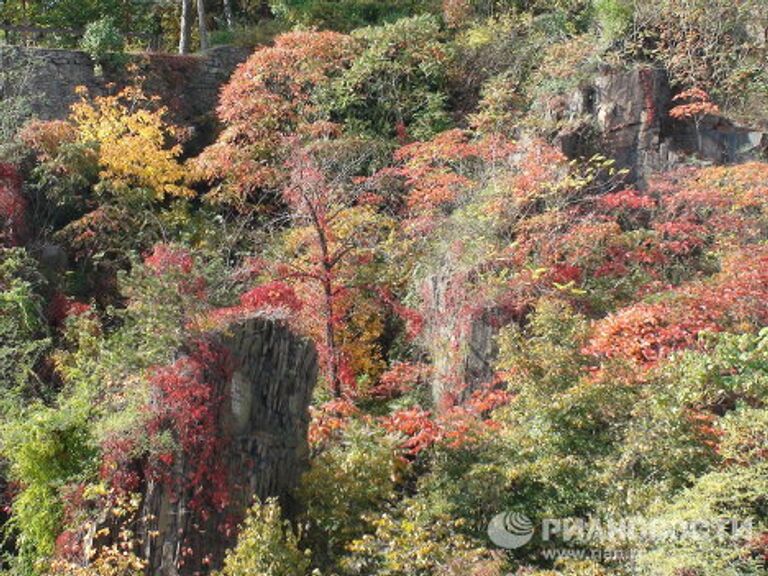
pixel 12 205
pixel 499 325
pixel 269 98
pixel 133 142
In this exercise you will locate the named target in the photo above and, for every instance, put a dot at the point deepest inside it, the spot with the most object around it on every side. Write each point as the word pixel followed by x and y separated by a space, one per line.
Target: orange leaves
pixel 46 137
pixel 401 378
pixel 329 419
pixel 698 105
pixel 736 299
pixel 625 200
pixel 454 428
pixel 270 98
pixel 419 429
pixel 440 170
pixel 719 190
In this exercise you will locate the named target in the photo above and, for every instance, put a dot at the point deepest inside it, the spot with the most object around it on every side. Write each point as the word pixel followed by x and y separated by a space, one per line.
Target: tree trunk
pixel 202 24
pixel 229 17
pixel 330 336
pixel 186 26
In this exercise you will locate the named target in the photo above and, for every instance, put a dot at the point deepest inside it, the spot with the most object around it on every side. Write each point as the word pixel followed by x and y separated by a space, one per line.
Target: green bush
pixel 413 540
pixel 346 15
pixel 103 40
pixel 24 334
pixel 737 493
pixel 397 79
pixel 614 18
pixel 507 46
pixel 266 546
pixel 47 448
pixel 351 479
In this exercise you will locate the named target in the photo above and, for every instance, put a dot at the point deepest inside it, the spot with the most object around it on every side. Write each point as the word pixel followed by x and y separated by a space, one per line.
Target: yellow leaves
pixel 133 142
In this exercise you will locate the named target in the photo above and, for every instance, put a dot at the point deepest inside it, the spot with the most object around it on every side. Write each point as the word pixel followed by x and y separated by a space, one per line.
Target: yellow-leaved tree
pixel 137 148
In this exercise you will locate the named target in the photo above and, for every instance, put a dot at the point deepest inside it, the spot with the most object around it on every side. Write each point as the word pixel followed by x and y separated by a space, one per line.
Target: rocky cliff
pixel 264 419
pixel 624 114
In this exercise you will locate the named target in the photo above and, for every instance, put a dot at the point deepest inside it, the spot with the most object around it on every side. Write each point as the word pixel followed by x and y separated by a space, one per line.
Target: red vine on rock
pixel 13 206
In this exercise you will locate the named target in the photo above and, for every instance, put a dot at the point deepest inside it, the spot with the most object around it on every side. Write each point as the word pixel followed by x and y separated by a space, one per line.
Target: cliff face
pixel 264 419
pixel 624 114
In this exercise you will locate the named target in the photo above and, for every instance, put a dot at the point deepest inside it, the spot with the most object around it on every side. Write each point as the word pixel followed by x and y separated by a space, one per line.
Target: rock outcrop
pixel 264 417
pixel 624 114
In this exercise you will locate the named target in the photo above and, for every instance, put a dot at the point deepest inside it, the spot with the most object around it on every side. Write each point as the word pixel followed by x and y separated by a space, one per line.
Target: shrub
pixel 505 47
pixel 614 18
pixel 266 546
pixel 413 540
pixel 132 137
pixel 345 15
pixel 734 493
pixel 397 79
pixel 13 207
pixel 47 449
pixel 352 478
pixel 103 40
pixel 711 45
pixel 269 98
pixel 24 333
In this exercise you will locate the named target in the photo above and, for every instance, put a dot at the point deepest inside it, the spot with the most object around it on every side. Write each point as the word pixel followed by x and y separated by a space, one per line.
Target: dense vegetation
pixel 384 181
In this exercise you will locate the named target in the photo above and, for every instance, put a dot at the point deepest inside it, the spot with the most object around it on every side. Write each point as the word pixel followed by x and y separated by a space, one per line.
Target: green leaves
pixel 397 79
pixel 267 546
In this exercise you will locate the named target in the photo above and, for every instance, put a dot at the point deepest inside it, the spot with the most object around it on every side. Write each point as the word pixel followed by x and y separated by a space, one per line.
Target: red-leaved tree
pixel 268 99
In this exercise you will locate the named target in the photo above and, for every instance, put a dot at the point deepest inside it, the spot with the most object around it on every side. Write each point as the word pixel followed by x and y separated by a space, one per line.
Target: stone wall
pixel 189 85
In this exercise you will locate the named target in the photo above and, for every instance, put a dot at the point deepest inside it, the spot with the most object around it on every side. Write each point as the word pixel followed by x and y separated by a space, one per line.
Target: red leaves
pixel 62 307
pixel 187 403
pixel 565 273
pixel 646 332
pixel 165 258
pixel 417 426
pixel 270 297
pixel 454 428
pixel 13 206
pixel 706 426
pixel 414 320
pixel 625 200
pixel 275 300
pixel 119 466
pixel 681 237
pixel 402 377
pixel 69 546
pixel 177 262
